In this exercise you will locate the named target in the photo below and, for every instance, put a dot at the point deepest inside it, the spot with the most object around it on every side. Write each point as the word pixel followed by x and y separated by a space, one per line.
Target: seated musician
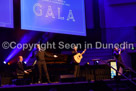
pixel 20 67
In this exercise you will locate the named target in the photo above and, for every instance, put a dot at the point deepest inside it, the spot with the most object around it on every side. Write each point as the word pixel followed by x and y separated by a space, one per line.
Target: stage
pixel 103 85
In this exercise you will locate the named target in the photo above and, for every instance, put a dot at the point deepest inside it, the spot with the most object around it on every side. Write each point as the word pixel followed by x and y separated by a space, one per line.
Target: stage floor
pixel 106 85
pixel 45 84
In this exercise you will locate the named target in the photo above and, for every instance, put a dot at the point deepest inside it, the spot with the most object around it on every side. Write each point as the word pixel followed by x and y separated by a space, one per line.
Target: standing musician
pixel 76 58
pixel 41 62
pixel 117 54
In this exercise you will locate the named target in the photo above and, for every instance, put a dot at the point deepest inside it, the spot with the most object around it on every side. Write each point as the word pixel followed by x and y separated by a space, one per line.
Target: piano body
pixel 56 66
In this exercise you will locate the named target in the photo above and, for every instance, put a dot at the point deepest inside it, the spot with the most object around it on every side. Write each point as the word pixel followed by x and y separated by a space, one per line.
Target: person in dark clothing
pixel 41 62
pixel 117 54
pixel 20 66
pixel 77 65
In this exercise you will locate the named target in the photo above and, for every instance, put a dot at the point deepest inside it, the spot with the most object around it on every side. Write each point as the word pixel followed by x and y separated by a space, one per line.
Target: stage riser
pixel 102 72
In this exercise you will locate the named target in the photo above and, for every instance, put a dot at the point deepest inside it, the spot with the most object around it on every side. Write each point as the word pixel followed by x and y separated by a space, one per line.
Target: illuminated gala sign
pixel 50 13
pixel 57 16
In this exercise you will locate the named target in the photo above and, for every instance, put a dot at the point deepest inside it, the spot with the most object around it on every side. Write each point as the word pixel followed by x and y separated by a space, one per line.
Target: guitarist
pixel 76 64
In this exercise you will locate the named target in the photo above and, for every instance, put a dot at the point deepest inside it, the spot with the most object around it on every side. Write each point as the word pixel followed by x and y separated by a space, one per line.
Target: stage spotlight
pixel 88 63
pixel 96 62
pixel 25 39
pixel 8 63
pixel 133 48
pixel 4 62
pixel 25 62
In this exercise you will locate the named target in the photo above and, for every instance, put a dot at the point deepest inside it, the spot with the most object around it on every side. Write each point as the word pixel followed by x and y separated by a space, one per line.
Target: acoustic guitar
pixel 77 58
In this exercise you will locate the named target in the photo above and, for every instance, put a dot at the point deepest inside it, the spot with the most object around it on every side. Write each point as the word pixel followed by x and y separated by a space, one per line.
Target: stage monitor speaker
pixel 67 78
pixel 21 81
pixel 70 78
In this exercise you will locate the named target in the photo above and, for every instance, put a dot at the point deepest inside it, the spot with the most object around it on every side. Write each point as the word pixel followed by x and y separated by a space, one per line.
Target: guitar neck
pixel 83 52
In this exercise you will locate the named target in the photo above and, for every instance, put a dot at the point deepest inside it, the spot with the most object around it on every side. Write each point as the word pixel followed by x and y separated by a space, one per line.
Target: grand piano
pixel 56 66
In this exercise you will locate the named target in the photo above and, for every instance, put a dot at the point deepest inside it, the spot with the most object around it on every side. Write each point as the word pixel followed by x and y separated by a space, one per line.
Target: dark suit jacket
pixel 20 68
pixel 41 55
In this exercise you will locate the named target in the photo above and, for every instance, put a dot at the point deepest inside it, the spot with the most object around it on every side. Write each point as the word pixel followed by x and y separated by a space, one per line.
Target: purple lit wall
pixel 120 13
pixel 117 21
pixel 89 14
pixel 6 13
